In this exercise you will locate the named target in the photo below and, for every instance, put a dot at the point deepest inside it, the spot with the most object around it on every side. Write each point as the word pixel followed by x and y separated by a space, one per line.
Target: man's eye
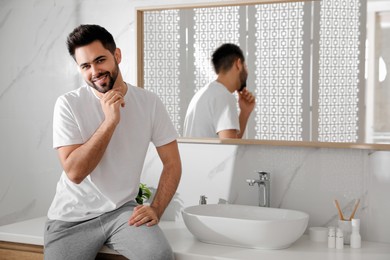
pixel 85 67
pixel 100 61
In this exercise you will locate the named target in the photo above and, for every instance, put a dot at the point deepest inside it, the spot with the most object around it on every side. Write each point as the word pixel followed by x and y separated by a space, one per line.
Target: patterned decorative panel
pixel 339 71
pixel 161 59
pixel 178 46
pixel 279 52
pixel 213 27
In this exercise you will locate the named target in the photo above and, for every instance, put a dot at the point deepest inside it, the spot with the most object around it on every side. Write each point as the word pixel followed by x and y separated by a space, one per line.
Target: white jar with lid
pixel 356 240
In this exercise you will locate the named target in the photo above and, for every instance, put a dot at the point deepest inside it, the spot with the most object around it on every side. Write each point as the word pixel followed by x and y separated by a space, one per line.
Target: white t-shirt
pixel 212 109
pixel 115 180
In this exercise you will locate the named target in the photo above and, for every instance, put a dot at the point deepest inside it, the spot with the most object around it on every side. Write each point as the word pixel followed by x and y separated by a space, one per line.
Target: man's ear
pixel 118 55
pixel 239 64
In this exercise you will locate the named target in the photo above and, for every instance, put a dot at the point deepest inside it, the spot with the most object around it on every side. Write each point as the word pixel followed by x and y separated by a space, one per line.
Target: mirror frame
pixel 140 81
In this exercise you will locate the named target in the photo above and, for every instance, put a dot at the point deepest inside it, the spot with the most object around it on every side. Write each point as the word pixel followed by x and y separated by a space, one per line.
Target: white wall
pixel 36 69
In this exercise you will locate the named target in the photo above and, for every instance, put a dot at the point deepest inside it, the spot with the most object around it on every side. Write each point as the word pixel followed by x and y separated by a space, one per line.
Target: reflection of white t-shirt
pixel 212 109
pixel 116 178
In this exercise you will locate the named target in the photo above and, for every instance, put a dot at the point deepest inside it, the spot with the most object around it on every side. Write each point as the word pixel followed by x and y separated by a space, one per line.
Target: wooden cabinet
pixel 18 251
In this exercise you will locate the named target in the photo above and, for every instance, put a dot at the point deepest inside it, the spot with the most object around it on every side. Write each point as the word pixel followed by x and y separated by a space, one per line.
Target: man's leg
pixel 135 243
pixel 73 240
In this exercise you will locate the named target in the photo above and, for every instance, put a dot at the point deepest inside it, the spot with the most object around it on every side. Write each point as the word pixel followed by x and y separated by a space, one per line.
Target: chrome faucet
pixel 264 188
pixel 202 200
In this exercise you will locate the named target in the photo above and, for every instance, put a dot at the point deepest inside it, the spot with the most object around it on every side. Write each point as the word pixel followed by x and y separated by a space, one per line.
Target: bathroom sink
pixel 245 226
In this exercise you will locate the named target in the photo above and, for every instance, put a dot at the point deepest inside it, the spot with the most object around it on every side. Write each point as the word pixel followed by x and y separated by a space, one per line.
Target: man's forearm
pixel 80 162
pixel 243 120
pixel 170 177
pixel 166 190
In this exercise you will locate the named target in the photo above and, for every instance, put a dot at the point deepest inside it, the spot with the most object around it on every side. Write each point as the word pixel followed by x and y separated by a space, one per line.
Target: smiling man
pixel 102 132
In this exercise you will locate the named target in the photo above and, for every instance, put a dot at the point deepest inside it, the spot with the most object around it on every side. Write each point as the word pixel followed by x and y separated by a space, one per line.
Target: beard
pixel 243 78
pixel 112 76
pixel 243 85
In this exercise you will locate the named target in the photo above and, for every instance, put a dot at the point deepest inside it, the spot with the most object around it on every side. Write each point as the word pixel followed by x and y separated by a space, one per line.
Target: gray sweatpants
pixel 83 240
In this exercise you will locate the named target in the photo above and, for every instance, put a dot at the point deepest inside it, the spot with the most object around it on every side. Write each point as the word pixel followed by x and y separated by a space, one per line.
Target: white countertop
pixel 187 247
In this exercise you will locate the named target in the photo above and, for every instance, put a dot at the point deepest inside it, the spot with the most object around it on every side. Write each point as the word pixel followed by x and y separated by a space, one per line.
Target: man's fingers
pixel 143 215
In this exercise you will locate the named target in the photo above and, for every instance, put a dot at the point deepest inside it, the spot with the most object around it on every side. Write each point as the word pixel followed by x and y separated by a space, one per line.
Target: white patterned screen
pixel 279 52
pixel 339 71
pixel 161 59
pixel 278 41
pixel 213 27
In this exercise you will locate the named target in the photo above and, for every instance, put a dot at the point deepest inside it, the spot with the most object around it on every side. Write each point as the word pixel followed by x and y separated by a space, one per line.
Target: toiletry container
pixel 339 239
pixel 356 240
pixel 346 228
pixel 331 237
pixel 318 234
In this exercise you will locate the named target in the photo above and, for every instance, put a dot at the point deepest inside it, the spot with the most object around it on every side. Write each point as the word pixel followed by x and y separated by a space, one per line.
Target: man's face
pixel 243 76
pixel 98 66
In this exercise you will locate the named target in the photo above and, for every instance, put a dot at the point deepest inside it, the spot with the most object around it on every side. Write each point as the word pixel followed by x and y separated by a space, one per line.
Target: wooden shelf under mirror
pixel 375 147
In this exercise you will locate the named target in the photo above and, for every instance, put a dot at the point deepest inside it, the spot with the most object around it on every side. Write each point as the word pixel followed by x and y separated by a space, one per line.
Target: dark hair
pixel 225 55
pixel 87 33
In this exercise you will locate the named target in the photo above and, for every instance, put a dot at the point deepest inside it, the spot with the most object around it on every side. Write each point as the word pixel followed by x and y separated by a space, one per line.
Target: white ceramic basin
pixel 245 226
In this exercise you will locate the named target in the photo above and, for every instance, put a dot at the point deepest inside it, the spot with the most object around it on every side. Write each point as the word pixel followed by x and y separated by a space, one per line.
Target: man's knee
pixel 147 247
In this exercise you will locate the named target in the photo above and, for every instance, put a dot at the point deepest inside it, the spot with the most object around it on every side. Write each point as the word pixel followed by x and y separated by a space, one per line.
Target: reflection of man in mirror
pixel 212 112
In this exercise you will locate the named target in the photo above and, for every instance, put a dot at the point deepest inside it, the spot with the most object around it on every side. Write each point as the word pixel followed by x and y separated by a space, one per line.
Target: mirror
pixel 377 69
pixel 309 83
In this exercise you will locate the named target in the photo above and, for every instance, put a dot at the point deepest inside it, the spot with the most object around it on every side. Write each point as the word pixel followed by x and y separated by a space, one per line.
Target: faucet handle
pixel 264 176
pixel 250 182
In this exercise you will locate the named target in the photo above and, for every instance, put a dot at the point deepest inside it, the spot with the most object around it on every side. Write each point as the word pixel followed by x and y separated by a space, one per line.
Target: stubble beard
pixel 243 78
pixel 111 80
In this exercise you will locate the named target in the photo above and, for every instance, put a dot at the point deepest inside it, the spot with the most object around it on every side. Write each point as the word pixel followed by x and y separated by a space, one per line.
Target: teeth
pixel 100 78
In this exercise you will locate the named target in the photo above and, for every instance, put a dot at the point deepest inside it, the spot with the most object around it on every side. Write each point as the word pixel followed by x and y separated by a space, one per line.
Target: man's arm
pixel 169 180
pixel 230 133
pixel 78 161
pixel 246 102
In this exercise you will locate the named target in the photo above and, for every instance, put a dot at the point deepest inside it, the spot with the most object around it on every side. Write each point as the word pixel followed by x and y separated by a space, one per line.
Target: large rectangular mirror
pixel 377 69
pixel 305 61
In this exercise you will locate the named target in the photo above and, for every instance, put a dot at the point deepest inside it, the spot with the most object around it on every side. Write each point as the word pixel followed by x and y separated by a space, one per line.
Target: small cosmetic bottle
pixel 331 237
pixel 356 240
pixel 339 239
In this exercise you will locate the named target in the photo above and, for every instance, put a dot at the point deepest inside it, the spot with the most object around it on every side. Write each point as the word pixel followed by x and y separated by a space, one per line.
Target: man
pixel 212 112
pixel 102 132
